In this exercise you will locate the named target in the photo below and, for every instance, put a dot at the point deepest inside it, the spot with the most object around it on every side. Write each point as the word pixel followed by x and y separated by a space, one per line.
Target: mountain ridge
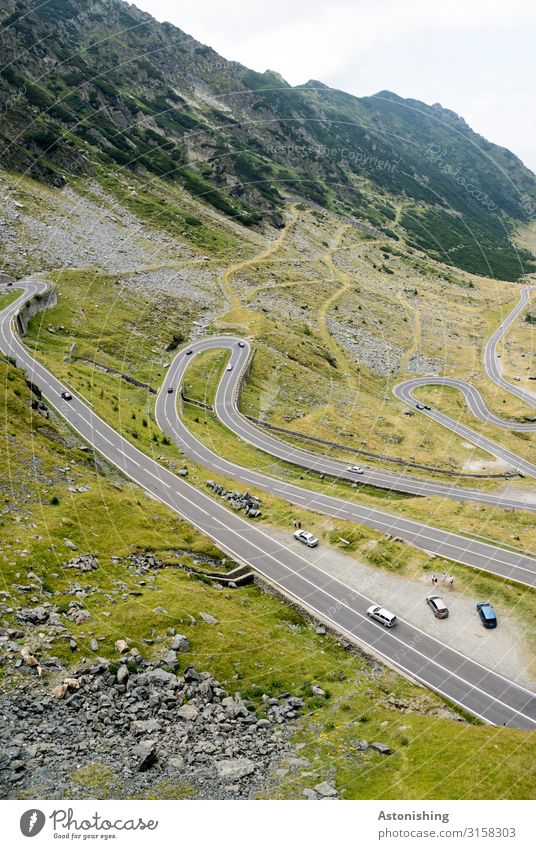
pixel 107 86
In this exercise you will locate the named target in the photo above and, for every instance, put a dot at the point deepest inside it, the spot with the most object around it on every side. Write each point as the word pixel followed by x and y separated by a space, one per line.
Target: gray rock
pixel 69 544
pixel 122 674
pixel 234 769
pixel 309 794
pixel 187 712
pixel 325 790
pixel 170 659
pixel 381 748
pixel 234 707
pixel 159 676
pixel 144 755
pixel 191 674
pixel 317 691
pixel 210 620
pixel 146 726
pixel 180 643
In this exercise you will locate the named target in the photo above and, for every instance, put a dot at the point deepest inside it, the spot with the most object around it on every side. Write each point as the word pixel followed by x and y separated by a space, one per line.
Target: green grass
pixel 260 644
pixel 127 408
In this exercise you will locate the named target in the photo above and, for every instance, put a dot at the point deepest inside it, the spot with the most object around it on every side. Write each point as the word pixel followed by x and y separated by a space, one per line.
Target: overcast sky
pixel 476 57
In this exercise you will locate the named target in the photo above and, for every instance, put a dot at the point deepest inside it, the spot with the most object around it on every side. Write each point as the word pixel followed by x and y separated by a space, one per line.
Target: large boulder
pixel 187 712
pixel 180 643
pixel 234 769
pixel 144 754
pixel 325 790
pixel 210 620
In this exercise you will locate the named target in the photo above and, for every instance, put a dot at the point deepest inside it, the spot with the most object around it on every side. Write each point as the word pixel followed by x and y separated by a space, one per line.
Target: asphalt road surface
pixel 488 695
pixel 492 361
pixel 475 402
pixel 225 407
pixel 433 540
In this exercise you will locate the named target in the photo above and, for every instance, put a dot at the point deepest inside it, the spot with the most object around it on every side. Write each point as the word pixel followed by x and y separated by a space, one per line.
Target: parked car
pixel 381 615
pixel 437 606
pixel 66 396
pixel 229 367
pixel 487 614
pixel 170 389
pixel 188 352
pixel 356 469
pixel 307 538
pixel 241 345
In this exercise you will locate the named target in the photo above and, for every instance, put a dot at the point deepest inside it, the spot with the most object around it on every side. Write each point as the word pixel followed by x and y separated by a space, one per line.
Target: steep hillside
pixel 105 87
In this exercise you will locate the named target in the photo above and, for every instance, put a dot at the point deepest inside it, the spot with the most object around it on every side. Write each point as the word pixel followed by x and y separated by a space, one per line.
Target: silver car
pixel 437 606
pixel 306 537
pixel 381 615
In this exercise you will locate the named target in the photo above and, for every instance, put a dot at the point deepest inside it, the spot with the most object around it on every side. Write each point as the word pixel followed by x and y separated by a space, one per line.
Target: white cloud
pixel 474 56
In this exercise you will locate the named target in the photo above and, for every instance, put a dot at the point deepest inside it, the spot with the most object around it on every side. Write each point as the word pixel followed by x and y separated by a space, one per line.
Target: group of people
pixel 297 523
pixel 445 579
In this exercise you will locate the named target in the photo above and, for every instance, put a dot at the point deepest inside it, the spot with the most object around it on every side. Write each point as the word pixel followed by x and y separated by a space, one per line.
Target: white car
pixel 306 537
pixel 356 469
pixel 229 367
pixel 381 615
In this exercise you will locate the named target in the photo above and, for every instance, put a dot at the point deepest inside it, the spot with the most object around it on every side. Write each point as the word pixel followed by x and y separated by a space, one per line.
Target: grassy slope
pixel 127 333
pixel 287 655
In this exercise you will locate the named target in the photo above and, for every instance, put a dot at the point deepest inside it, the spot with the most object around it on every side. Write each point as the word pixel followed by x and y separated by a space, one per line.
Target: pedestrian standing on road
pixel 299 524
pixel 450 582
pixel 294 522
pixel 434 580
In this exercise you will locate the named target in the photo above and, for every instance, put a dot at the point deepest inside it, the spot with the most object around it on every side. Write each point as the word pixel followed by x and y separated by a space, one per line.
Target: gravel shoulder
pixel 505 650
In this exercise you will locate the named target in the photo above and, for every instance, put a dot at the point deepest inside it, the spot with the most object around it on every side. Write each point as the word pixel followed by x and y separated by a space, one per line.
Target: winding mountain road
pixel 475 402
pixel 485 693
pixel 453 546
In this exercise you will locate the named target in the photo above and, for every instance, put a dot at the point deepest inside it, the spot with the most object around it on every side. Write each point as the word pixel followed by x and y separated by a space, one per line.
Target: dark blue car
pixel 487 614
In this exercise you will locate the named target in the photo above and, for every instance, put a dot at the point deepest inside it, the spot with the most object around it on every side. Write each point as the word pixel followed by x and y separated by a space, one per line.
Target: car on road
pixel 419 406
pixel 356 469
pixel 437 606
pixel 66 396
pixel 241 345
pixel 170 389
pixel 381 615
pixel 306 537
pixel 487 614
pixel 188 352
pixel 229 367
pixel 426 407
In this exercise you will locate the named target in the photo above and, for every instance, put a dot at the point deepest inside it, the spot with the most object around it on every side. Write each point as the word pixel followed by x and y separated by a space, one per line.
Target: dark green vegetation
pixel 91 87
